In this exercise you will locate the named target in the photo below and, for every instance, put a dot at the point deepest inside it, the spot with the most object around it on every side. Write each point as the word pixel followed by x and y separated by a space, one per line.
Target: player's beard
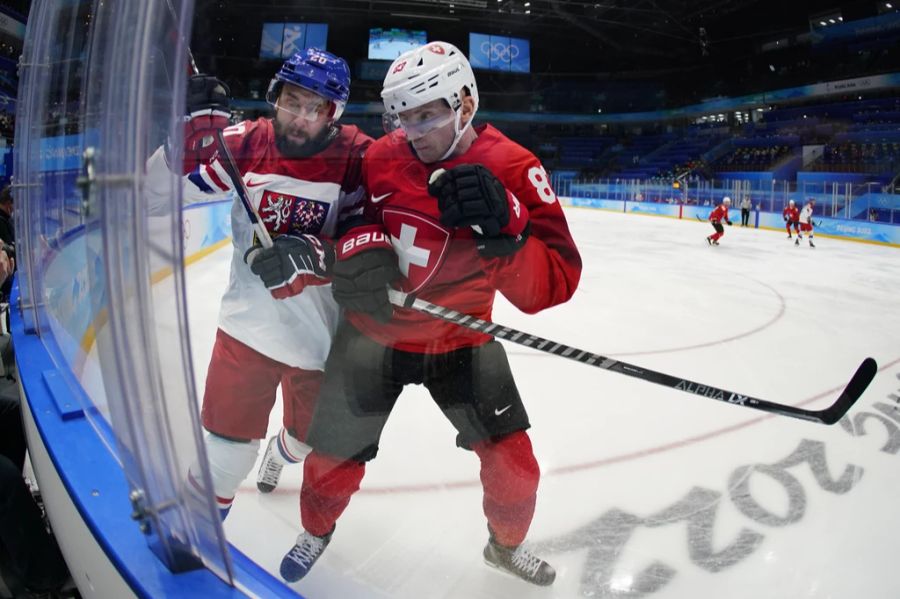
pixel 309 145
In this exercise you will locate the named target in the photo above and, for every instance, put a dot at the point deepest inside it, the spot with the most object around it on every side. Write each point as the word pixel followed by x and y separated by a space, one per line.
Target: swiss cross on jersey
pixel 283 213
pixel 420 243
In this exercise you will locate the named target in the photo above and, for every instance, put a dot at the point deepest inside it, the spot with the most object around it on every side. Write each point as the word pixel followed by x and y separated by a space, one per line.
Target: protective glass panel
pixel 55 233
pixel 102 275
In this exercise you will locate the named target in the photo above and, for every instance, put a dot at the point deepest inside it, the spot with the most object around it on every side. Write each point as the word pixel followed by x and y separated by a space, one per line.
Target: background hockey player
pixel 719 214
pixel 277 318
pixel 806 222
pixel 791 218
pixel 455 214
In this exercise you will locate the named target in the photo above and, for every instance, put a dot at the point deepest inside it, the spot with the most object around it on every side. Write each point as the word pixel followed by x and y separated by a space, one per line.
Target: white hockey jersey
pixel 806 214
pixel 292 195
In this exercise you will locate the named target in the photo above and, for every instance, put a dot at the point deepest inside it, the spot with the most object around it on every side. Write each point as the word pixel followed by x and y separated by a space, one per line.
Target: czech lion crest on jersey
pixel 284 213
pixel 421 244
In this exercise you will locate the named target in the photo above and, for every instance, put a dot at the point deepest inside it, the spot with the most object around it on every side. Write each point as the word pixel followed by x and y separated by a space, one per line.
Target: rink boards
pixel 853 230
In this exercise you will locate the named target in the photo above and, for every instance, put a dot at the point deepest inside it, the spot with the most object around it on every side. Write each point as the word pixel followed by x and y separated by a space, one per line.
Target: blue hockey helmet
pixel 318 71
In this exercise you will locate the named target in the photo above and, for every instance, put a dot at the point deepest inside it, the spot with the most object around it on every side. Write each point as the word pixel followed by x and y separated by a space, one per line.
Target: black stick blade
pixel 854 389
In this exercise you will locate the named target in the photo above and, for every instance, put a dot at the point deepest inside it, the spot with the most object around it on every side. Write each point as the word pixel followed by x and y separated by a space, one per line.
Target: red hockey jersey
pixel 791 214
pixel 719 214
pixel 442 265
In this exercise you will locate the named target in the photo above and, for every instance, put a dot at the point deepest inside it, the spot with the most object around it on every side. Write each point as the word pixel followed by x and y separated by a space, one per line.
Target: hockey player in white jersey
pixel 806 222
pixel 277 316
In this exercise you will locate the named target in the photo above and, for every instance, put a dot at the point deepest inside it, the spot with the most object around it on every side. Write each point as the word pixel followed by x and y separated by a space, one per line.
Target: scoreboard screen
pixel 388 44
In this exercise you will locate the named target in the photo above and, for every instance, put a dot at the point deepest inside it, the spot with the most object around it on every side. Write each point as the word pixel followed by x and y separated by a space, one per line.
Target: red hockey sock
pixel 509 476
pixel 328 485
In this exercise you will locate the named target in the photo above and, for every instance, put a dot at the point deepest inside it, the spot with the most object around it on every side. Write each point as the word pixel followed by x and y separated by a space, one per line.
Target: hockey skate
pixel 797 242
pixel 270 468
pixel 811 244
pixel 300 559
pixel 519 562
pixel 709 240
pixel 715 242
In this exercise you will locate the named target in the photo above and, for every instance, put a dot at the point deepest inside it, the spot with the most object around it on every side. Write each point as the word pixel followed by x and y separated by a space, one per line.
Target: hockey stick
pixel 262 234
pixel 854 389
pixel 229 165
pixel 193 64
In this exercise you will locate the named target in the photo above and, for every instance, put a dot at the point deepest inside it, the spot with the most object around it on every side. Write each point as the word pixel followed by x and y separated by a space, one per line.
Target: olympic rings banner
pixel 499 53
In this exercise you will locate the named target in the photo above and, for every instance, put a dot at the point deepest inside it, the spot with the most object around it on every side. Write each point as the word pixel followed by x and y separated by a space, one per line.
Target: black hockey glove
pixel 469 195
pixel 291 264
pixel 729 222
pixel 9 249
pixel 207 113
pixel 366 264
pixel 205 92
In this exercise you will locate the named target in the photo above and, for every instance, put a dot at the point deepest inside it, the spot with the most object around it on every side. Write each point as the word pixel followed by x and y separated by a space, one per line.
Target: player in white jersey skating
pixel 277 317
pixel 806 222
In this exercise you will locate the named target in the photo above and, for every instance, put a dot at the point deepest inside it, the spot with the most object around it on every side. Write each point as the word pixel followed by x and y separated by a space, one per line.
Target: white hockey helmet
pixel 791 202
pixel 726 200
pixel 435 71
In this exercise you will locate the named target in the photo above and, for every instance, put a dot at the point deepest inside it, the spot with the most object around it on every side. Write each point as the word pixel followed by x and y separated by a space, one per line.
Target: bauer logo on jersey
pixel 283 213
pixel 420 243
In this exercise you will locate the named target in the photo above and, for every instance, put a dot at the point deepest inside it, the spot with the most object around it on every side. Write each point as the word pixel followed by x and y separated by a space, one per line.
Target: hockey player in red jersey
pixel 455 214
pixel 719 214
pixel 277 318
pixel 791 218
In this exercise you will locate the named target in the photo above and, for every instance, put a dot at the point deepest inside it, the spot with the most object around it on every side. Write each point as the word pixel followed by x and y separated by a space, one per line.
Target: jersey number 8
pixel 538 177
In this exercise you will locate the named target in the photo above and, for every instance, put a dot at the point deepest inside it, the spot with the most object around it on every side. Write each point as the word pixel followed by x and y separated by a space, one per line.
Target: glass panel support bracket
pixel 90 181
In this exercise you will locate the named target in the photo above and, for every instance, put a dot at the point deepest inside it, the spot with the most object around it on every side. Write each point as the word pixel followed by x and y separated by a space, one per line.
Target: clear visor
pixel 417 125
pixel 310 110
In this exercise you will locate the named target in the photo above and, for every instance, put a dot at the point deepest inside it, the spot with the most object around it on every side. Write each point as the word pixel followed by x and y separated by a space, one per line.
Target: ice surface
pixel 645 491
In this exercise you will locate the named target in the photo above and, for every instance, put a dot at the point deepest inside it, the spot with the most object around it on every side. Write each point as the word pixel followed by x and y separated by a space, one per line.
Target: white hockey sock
pixel 290 449
pixel 229 463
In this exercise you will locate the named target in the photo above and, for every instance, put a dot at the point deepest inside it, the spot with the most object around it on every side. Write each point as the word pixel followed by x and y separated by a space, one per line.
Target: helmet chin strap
pixel 458 133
